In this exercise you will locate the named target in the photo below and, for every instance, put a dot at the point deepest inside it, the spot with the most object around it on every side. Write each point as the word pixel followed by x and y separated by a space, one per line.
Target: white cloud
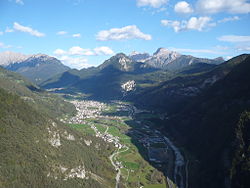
pixel 76 56
pixel 59 52
pixel 187 50
pixel 73 57
pixel 61 32
pixel 2 45
pixel 75 62
pixel 229 19
pixel 194 23
pixel 19 27
pixel 77 50
pixel 77 35
pixel 103 50
pixel 183 7
pixel 219 47
pixel 8 30
pixel 199 24
pixel 230 6
pixel 228 57
pixel 88 52
pixel 152 3
pixel 1 33
pixel 19 2
pixel 243 48
pixel 234 38
pixel 162 9
pixel 127 32
pixel 176 25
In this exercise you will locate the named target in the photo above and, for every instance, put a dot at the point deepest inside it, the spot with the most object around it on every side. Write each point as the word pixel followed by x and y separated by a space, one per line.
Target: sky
pixel 84 33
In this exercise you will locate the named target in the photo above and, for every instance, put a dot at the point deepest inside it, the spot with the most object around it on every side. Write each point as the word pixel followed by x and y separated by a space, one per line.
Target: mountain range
pixel 119 69
pixel 203 105
pixel 37 68
pixel 171 60
pixel 40 67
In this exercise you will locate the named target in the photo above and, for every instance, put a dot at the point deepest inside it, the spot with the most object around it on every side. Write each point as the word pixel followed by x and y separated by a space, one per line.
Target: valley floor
pixel 143 156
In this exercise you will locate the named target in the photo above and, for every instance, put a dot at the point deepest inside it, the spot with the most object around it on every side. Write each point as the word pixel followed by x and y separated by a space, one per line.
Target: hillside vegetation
pixel 213 128
pixel 37 151
pixel 32 94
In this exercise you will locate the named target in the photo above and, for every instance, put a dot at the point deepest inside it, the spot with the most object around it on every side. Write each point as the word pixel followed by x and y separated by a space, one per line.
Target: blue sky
pixel 84 33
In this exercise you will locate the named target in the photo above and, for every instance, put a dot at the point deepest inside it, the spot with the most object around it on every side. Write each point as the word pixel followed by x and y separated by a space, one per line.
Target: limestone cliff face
pixel 128 86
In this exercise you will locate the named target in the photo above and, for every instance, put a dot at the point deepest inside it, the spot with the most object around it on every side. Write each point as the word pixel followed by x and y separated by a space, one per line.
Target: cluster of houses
pixel 108 137
pixel 93 109
pixel 86 109
pixel 118 165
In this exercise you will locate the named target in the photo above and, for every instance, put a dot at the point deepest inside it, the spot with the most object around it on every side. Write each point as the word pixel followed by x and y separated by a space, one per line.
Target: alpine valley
pixel 155 121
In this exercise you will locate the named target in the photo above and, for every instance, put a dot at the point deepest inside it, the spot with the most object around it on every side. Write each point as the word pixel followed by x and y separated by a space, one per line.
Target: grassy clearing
pixel 86 129
pixel 100 128
pixel 114 131
pixel 131 166
pixel 155 186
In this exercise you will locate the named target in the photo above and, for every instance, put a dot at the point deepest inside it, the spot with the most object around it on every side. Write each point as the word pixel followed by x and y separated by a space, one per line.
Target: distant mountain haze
pixel 141 68
pixel 37 68
pixel 171 60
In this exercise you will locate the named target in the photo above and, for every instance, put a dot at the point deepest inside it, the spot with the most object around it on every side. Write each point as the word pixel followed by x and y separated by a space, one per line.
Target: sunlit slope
pixel 37 151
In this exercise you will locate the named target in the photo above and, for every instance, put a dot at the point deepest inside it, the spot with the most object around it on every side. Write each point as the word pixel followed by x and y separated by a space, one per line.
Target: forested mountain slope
pixel 37 151
pixel 32 94
pixel 213 128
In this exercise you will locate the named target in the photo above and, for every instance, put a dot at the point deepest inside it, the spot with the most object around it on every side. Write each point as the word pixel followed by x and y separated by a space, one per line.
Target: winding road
pixel 117 168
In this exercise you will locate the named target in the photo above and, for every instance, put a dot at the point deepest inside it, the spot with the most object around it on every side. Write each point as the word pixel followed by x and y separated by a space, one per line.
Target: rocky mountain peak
pixel 42 57
pixel 134 53
pixel 120 55
pixel 120 58
pixel 125 63
pixel 137 56
pixel 219 59
pixel 163 52
pixel 120 61
pixel 162 57
pixel 37 67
